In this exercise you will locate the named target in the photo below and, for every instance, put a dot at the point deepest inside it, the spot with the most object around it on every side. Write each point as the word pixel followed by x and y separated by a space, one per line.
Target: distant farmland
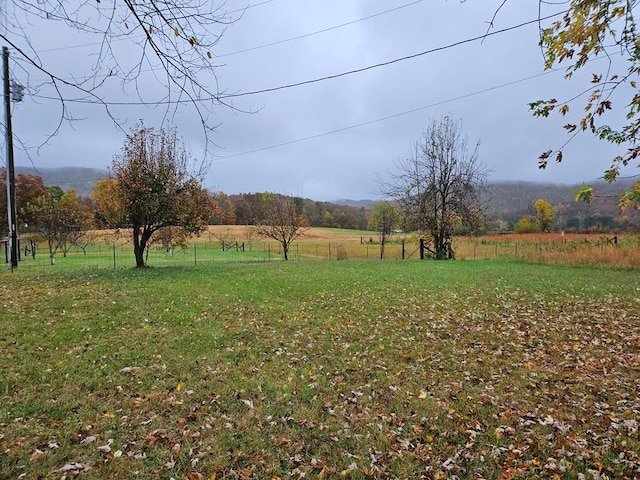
pixel 108 250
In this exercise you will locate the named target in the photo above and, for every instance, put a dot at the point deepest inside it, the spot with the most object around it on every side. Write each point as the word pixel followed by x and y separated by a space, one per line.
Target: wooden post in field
pixel 422 249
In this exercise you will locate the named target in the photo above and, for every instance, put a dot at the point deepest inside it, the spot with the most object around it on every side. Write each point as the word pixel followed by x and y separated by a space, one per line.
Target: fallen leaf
pixel 70 467
pixel 35 455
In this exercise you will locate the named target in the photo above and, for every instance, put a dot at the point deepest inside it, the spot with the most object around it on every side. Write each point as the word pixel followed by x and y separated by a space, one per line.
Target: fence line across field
pixel 120 254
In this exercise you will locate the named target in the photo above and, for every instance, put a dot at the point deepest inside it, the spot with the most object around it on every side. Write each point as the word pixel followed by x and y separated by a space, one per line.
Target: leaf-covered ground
pixel 321 370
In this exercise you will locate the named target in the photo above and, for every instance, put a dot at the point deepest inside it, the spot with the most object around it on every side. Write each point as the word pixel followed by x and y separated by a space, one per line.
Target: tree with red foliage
pixel 29 188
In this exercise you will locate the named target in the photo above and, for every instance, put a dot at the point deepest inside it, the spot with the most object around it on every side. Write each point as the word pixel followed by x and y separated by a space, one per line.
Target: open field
pixel 316 369
pixel 328 243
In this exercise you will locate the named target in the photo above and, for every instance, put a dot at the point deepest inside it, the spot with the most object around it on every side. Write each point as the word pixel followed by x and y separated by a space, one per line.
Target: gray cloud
pixel 376 114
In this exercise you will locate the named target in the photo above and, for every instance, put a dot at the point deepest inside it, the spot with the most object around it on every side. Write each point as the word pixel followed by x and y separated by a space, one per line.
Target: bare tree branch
pixel 172 40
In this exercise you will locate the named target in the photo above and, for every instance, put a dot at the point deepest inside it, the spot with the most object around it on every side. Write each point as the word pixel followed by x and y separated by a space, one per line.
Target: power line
pixel 278 42
pixel 391 62
pixel 389 117
pixel 286 40
pixel 315 80
pixel 251 6
pixel 335 27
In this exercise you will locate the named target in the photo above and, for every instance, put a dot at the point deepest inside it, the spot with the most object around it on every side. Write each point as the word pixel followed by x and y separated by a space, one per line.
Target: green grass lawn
pixel 318 369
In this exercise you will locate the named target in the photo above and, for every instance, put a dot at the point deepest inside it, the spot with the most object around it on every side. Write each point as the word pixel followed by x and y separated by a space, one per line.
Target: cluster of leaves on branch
pixel 592 29
pixel 544 214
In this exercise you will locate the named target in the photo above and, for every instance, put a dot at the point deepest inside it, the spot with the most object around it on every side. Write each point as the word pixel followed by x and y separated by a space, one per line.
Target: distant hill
pixel 513 200
pixel 79 179
pixel 506 201
pixel 354 203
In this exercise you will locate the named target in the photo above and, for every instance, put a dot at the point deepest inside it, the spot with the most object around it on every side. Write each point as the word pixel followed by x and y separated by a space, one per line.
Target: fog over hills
pixel 79 179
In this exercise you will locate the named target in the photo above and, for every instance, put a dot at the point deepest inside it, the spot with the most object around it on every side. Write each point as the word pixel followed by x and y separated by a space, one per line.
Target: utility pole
pixel 11 182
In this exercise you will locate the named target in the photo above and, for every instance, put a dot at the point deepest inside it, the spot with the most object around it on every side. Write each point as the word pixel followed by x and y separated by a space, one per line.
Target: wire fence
pixel 120 254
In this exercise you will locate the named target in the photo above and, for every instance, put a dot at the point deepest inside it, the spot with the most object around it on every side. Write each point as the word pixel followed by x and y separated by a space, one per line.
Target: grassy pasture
pixel 315 369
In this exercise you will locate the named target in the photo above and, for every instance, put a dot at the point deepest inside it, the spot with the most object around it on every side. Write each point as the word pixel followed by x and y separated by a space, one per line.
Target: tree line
pixel 249 208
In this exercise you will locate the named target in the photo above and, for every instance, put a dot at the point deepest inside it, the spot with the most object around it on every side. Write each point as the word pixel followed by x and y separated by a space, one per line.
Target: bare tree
pixel 169 42
pixel 384 218
pixel 438 186
pixel 83 239
pixel 282 220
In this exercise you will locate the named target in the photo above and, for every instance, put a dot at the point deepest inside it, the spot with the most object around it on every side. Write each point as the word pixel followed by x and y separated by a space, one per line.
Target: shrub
pixel 526 225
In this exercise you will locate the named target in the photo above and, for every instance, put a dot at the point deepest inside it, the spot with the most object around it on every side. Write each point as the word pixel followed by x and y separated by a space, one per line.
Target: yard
pixel 318 369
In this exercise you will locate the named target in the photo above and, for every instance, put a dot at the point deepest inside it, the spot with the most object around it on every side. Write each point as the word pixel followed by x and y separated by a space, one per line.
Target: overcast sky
pixel 331 139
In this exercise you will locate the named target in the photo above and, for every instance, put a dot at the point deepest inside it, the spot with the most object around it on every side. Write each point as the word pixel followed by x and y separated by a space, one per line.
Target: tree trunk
pixel 441 251
pixel 285 249
pixel 139 244
pixel 52 252
pixel 139 253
